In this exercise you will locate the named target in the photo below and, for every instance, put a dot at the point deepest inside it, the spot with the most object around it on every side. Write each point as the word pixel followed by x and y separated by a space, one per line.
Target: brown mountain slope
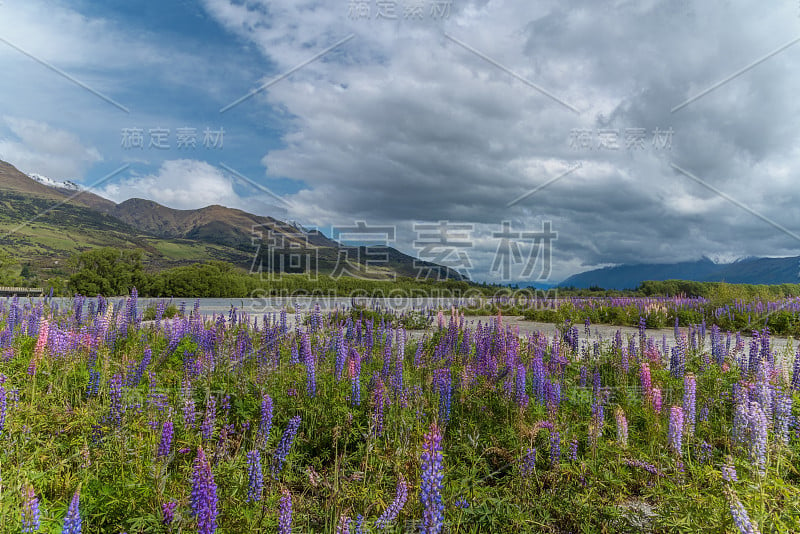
pixel 48 224
pixel 12 179
pixel 214 224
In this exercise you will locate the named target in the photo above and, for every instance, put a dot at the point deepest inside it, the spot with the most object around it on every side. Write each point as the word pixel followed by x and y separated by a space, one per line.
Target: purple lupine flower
pixel 343 526
pixel 265 425
pixel 394 508
pixel 359 524
pixel 341 353
pixel 444 383
pixel 650 468
pixel 430 493
pixel 622 427
pixel 168 512
pixel 739 515
pixel 598 417
pixel 30 511
pixel 310 362
pixel 189 414
pixel 285 445
pixel 757 429
pixel 796 372
pixel 553 395
pixel 255 476
pixel 115 393
pixel 689 402
pixel 783 415
pixel 355 377
pixel 204 494
pixel 729 473
pixel 657 400
pixel 573 450
pixel 165 445
pixel 555 448
pixel 72 521
pixel 521 394
pixel 285 513
pixel 528 463
pixel 3 407
pixel 676 429
pixel 207 428
pixel 624 361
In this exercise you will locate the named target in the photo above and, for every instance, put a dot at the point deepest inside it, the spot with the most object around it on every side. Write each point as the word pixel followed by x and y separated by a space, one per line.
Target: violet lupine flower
pixel 3 407
pixel 443 379
pixel 729 473
pixel 207 428
pixel 573 450
pixel 343 526
pixel 676 429
pixel 255 476
pixel 739 515
pixel 285 444
pixel 624 361
pixel 310 362
pixel 30 511
pixel 72 521
pixel 359 524
pixel 285 513
pixel 677 361
pixel 757 429
pixel 657 400
pixel 341 353
pixel 521 394
pixel 622 427
pixel 783 415
pixel 689 402
pixel 555 448
pixel 204 494
pixel 394 508
pixel 168 512
pixel 528 463
pixel 354 366
pixel 796 372
pixel 165 445
pixel 650 468
pixel 430 494
pixel 115 392
pixel 265 425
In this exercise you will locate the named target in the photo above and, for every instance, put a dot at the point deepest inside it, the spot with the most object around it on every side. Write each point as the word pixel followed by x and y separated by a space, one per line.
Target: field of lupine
pixel 780 315
pixel 339 423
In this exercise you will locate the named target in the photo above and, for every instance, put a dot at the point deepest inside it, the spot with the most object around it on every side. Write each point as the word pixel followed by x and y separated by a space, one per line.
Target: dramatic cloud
pixel 427 120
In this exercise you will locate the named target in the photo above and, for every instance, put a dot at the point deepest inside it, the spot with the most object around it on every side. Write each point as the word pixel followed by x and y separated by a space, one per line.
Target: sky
pixel 514 141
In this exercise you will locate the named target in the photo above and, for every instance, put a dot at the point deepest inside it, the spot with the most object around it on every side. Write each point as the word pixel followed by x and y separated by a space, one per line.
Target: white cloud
pixel 179 184
pixel 44 149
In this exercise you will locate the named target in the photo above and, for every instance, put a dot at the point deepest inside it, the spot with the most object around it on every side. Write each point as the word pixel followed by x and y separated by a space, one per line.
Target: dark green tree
pixel 107 271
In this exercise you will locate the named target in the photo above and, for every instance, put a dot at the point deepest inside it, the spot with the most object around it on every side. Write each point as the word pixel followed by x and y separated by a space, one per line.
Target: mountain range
pixel 43 222
pixel 750 270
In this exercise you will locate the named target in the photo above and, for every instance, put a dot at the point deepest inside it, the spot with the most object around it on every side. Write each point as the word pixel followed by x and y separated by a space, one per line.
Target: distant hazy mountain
pixel 745 271
pixel 44 221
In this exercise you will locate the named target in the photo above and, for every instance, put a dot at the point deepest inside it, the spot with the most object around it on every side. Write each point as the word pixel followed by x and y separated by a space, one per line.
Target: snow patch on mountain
pixel 66 184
